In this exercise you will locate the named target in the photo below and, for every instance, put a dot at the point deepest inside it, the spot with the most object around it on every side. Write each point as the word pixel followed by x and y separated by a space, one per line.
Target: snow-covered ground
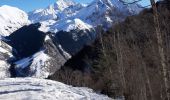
pixel 41 89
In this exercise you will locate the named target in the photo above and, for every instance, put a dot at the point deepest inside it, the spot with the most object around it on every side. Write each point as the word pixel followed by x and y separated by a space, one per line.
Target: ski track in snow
pixel 41 89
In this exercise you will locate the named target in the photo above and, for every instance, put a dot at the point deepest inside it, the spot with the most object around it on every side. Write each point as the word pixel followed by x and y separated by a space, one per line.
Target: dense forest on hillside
pixel 125 60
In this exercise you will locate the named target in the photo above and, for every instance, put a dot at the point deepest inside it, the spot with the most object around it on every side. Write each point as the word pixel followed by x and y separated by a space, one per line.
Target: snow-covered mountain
pixel 71 26
pixel 41 89
pixel 65 27
pixel 106 12
pixel 37 54
pixel 65 14
pixel 80 21
pixel 11 19
pixel 37 44
pixel 43 63
pixel 55 11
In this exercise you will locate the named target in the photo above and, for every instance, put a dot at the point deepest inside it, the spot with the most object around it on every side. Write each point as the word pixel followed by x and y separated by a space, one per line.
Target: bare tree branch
pixel 136 1
pixel 126 3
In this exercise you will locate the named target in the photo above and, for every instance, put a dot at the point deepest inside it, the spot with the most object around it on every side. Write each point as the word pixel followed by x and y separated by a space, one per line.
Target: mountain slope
pixel 11 19
pixel 79 22
pixel 106 12
pixel 37 53
pixel 71 26
pixel 43 63
pixel 40 89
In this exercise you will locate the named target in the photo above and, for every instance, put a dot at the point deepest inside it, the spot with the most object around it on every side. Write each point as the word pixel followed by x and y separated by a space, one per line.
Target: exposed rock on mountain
pixel 75 40
pixel 5 55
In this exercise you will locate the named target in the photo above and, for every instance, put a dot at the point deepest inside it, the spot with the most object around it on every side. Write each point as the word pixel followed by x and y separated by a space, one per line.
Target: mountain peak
pixel 110 3
pixel 7 7
pixel 62 4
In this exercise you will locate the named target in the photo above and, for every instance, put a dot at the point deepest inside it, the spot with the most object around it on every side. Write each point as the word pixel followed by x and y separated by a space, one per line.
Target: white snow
pixel 38 64
pixel 4 69
pixel 45 25
pixel 67 55
pixel 62 4
pixel 52 12
pixel 47 38
pixel 41 89
pixel 11 19
pixel 43 14
pixel 70 24
pixel 5 49
pixel 106 11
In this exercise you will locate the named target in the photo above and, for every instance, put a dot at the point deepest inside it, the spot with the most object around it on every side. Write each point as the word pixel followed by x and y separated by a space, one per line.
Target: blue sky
pixel 29 5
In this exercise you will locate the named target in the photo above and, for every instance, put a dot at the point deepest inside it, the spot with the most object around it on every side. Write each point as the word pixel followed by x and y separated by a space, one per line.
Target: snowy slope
pixel 106 12
pixel 40 89
pixel 43 63
pixel 38 63
pixel 11 19
pixel 70 24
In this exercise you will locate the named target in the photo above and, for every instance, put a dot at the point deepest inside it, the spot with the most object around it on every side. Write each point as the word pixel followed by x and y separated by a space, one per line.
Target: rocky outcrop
pixel 5 57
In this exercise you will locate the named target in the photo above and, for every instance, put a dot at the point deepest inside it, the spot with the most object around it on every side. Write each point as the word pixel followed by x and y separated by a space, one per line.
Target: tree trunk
pixel 160 47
